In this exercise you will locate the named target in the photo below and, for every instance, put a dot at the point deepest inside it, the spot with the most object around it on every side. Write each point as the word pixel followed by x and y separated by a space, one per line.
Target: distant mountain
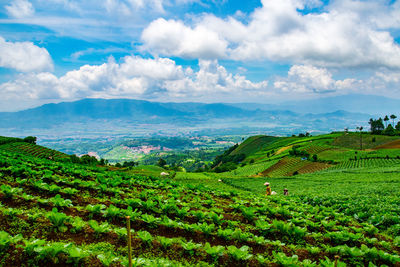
pixel 106 115
pixel 370 104
pixel 116 109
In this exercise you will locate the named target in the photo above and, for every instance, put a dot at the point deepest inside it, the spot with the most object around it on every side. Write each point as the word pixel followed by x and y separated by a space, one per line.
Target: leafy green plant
pixel 165 241
pixel 239 253
pixel 95 209
pixel 249 213
pixel 190 247
pixel 58 201
pixel 9 191
pixel 214 251
pixel 69 191
pixel 50 251
pixel 111 212
pixel 121 232
pixel 77 224
pixel 284 260
pixel 99 228
pixel 151 221
pixel 145 236
pixel 31 244
pixel 58 219
pixel 6 239
pixel 75 255
pixel 107 259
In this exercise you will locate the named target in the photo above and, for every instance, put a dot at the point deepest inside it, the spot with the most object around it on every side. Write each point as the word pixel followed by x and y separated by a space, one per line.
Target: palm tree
pixel 393 117
pixel 386 119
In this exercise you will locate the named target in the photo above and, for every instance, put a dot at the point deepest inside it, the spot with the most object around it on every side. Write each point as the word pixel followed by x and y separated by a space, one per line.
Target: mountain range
pixel 325 114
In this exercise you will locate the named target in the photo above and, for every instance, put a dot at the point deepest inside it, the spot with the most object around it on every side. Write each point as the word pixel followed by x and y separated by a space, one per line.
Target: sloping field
pixel 288 166
pixel 352 140
pixel 61 214
pixel 366 163
pixel 391 145
pixel 285 167
pixel 311 167
pixel 253 144
pixel 315 149
pixel 283 149
pixel 5 140
pixel 33 150
pixel 252 169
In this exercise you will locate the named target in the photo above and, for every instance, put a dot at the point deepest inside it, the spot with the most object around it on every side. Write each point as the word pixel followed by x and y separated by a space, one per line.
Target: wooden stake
pixel 336 260
pixel 128 222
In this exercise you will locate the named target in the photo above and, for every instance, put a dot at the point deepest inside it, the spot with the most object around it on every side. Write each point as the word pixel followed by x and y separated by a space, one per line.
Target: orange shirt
pixel 268 191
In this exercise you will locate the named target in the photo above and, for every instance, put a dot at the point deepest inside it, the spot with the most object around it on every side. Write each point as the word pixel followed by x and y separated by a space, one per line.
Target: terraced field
pixel 55 213
pixel 367 163
pixel 33 150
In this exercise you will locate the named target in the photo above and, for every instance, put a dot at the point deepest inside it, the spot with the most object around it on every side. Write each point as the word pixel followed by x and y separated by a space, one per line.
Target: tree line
pixel 381 126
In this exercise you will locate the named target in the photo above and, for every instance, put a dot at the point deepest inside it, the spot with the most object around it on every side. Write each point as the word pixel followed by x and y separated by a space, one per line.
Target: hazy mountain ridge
pixel 128 111
pixel 356 103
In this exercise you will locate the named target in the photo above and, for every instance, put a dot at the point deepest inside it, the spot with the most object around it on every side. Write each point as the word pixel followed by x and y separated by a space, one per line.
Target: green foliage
pixel 97 209
pixel 30 140
pixel 77 224
pixel 6 240
pixel 107 259
pixel 239 253
pixel 58 201
pixel 145 236
pixel 111 212
pixel 10 192
pixel 99 229
pixel 58 219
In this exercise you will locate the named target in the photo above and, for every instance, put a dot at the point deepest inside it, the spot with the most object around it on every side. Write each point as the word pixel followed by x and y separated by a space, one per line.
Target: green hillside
pixel 299 155
pixel 33 150
pixel 55 213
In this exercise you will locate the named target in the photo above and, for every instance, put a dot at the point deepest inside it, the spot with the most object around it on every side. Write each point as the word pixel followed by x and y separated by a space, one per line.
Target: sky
pixel 264 51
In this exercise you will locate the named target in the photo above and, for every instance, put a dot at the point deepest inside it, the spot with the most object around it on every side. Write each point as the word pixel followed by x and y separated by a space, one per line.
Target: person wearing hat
pixel 268 189
pixel 285 192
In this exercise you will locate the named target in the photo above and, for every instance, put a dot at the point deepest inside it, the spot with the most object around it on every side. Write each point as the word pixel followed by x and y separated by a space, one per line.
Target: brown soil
pixel 391 145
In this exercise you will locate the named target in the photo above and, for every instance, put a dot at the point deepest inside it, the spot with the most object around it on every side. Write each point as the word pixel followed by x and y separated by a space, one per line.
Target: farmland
pixel 55 212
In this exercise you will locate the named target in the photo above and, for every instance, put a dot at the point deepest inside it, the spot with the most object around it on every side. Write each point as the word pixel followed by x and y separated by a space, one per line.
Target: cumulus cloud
pixel 24 56
pixel 20 9
pixel 310 79
pixel 342 35
pixel 134 77
pixel 170 37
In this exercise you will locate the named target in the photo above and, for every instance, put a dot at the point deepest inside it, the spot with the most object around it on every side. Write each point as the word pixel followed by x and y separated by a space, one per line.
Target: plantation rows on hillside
pixel 59 213
pixel 33 150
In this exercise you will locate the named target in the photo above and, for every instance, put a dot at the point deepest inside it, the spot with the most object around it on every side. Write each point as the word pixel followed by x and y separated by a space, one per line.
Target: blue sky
pixel 196 50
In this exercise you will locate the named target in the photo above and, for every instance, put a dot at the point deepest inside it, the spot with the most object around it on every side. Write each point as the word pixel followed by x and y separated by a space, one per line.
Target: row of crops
pixel 252 169
pixel 60 213
pixel 33 150
pixel 285 167
pixel 367 163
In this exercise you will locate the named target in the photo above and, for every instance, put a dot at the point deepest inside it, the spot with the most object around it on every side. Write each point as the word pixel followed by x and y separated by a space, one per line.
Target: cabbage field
pixel 55 213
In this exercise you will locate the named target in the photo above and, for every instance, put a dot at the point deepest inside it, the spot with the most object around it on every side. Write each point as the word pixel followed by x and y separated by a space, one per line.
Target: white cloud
pixel 24 56
pixel 343 35
pixel 20 9
pixel 170 37
pixel 310 79
pixel 134 77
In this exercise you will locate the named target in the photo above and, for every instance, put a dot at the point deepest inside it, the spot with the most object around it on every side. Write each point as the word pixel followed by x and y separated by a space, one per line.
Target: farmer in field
pixel 285 192
pixel 268 189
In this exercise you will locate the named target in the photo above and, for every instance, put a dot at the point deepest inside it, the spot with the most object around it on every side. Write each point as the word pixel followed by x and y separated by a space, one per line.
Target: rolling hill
pixel 66 214
pixel 329 150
